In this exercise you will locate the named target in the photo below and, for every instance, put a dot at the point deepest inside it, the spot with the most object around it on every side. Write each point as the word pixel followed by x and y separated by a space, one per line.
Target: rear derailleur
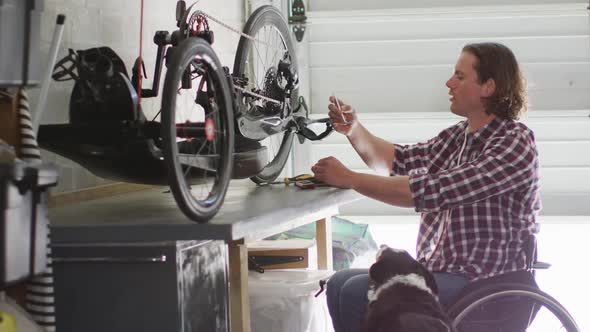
pixel 302 123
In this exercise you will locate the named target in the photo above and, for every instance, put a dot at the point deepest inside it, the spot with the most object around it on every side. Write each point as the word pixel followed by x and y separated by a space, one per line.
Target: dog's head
pixel 395 264
pixel 403 296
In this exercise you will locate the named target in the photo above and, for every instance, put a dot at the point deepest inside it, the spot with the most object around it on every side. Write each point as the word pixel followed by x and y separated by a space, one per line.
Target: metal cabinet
pixel 162 286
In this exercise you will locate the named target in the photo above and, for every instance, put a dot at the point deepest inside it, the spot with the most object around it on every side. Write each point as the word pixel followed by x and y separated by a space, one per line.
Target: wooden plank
pixel 238 287
pixel 251 213
pixel 448 9
pixel 413 100
pixel 420 51
pixel 388 27
pixel 554 204
pixel 324 243
pixel 554 180
pixel 551 154
pixel 556 125
pixel 377 89
pixel 565 180
pixel 88 194
pixel 407 127
pixel 565 99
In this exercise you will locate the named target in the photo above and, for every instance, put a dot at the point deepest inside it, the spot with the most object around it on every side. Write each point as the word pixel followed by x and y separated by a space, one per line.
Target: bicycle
pixel 215 126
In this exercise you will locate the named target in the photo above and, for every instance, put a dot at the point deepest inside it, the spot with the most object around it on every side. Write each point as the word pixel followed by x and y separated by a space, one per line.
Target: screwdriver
pixel 339 108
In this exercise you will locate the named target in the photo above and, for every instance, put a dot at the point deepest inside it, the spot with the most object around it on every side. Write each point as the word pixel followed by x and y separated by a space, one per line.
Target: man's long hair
pixel 497 62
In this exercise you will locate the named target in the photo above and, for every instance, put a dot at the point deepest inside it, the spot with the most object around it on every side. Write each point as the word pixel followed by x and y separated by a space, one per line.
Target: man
pixel 475 183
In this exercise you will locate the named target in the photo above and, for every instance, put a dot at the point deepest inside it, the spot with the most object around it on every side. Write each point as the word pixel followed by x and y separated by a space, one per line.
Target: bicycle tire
pixel 464 306
pixel 180 176
pixel 268 16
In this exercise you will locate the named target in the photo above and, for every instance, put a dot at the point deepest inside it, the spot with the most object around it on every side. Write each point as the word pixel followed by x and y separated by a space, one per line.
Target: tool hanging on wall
pixel 258 263
pixel 297 18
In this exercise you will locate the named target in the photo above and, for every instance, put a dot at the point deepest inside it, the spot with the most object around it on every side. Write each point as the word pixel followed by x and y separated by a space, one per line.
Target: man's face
pixel 464 87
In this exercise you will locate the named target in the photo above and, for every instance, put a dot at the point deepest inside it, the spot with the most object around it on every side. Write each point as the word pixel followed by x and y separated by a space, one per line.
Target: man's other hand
pixel 332 172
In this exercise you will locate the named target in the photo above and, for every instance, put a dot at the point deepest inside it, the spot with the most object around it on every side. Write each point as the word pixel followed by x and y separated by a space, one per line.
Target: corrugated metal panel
pixel 391 65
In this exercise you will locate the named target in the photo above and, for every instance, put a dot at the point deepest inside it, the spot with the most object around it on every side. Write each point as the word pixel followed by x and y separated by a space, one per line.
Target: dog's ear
pixel 377 271
pixel 415 322
pixel 428 277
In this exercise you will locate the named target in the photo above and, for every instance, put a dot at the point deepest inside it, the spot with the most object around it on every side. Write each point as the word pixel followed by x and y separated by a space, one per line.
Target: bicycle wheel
pixel 257 61
pixel 510 307
pixel 197 129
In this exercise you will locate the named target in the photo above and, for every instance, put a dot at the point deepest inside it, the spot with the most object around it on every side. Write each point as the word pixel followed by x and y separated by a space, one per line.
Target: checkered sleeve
pixel 417 156
pixel 507 164
pixel 408 157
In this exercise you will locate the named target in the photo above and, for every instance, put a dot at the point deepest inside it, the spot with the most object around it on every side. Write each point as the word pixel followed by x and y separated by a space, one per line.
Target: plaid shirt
pixel 477 211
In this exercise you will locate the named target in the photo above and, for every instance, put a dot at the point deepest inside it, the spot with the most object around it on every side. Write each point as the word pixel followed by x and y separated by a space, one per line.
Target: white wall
pixel 115 23
pixel 392 64
pixel 327 5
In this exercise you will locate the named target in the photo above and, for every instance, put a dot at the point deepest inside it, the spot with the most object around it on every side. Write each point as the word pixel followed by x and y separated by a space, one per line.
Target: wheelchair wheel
pixel 257 62
pixel 511 308
pixel 197 129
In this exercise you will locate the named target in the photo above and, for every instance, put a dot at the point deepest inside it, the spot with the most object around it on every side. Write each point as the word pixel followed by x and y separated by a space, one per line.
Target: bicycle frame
pixel 247 126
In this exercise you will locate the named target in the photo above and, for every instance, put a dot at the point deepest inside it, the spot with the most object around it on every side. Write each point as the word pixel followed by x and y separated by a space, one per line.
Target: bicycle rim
pixel 197 129
pixel 493 309
pixel 254 60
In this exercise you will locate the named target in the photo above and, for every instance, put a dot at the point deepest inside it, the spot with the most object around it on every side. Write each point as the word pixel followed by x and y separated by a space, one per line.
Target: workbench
pixel 249 213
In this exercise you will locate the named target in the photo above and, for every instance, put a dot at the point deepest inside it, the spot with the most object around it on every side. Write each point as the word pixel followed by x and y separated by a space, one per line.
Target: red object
pixel 209 129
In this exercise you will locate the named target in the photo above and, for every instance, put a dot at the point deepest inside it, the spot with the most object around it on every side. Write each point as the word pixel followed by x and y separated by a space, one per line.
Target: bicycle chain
pixel 229 27
pixel 257 95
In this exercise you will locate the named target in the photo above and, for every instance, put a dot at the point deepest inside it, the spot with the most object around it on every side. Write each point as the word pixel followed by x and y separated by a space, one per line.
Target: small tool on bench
pixel 310 184
pixel 303 181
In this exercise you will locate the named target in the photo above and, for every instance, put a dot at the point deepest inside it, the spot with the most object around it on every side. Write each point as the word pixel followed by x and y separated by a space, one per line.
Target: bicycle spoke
pixel 259 59
pixel 266 53
pixel 206 147
pixel 279 38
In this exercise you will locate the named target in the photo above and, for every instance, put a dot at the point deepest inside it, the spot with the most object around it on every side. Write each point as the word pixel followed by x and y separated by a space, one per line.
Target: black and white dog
pixel 403 296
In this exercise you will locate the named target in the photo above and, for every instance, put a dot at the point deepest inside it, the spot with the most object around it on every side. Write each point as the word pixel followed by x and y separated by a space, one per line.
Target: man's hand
pixel 343 118
pixel 331 171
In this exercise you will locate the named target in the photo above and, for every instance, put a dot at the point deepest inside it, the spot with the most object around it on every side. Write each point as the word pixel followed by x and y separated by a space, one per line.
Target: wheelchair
pixel 511 302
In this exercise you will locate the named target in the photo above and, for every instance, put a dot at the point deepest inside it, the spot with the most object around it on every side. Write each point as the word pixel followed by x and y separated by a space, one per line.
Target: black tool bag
pixel 102 92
